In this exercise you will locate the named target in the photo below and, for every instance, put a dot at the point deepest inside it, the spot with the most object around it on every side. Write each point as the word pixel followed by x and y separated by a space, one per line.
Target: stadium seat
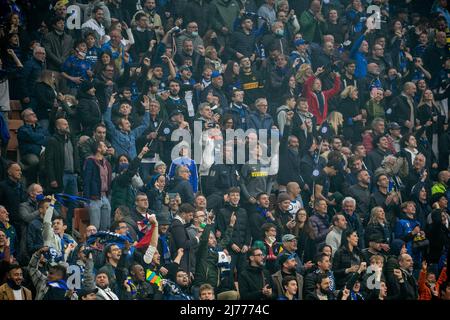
pixel 14 126
pixel 16 109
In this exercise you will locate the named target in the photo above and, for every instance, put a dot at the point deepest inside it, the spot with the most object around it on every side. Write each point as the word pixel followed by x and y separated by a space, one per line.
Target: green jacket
pixel 122 192
pixel 374 110
pixel 206 269
pixel 309 26
pixel 223 15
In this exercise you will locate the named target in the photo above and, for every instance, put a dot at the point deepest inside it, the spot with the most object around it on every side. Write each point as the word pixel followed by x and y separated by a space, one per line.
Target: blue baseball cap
pixel 299 42
pixel 215 74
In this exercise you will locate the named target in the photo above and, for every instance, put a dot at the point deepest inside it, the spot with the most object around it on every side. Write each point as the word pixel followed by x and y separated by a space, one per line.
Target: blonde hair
pixel 374 216
pixel 422 99
pixel 336 120
pixel 301 75
pixel 348 91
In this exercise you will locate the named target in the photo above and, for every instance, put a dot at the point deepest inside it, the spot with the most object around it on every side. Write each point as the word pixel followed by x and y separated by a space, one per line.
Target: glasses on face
pixel 259 255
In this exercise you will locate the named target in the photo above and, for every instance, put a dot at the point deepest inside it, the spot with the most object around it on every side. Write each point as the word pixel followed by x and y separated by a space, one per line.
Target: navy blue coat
pixel 92 180
pixel 31 139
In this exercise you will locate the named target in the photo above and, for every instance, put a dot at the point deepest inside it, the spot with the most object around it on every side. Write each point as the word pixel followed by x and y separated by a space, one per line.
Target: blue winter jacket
pixel 125 142
pixel 359 57
pixel 31 139
pixel 403 230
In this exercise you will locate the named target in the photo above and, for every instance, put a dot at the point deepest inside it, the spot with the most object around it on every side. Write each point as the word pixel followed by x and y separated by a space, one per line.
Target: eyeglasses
pixel 259 255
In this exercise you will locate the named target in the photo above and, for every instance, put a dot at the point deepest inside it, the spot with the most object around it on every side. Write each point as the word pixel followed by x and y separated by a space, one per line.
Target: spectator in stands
pixel 57 44
pixel 32 138
pixel 62 164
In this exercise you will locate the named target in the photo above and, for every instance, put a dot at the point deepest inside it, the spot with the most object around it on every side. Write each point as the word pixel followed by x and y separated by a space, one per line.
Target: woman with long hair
pixel 231 79
pixel 306 248
pixel 14 25
pixel 105 59
pixel 303 73
pixel 45 94
pixel 347 259
pixel 210 39
pixel 378 225
pixel 429 112
pixel 332 126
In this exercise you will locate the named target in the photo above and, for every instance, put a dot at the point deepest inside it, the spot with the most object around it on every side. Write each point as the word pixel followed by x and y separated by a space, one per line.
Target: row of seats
pixel 14 123
pixel 81 215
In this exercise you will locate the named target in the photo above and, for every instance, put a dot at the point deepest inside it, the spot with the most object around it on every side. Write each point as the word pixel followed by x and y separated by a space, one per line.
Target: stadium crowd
pixel 342 191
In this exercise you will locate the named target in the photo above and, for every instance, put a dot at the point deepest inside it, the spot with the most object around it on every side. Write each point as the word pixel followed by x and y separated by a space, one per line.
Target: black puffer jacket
pixel 88 112
pixel 45 98
pixel 342 260
pixel 251 282
pixel 241 232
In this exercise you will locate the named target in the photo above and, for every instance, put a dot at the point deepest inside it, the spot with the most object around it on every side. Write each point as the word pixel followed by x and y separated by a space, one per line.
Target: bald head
pixel 373 68
pixel 293 188
pixel 62 126
pixel 409 89
pixel 315 6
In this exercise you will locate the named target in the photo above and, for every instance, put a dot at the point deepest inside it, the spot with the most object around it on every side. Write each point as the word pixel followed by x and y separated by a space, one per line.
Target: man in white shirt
pixel 333 238
pixel 95 24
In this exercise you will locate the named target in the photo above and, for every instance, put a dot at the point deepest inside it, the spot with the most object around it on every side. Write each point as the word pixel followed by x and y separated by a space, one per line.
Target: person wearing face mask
pixel 191 33
pixel 276 39
pixel 76 68
pixel 270 246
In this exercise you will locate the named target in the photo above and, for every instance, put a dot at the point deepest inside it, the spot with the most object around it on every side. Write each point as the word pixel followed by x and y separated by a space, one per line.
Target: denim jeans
pixel 70 187
pixel 100 213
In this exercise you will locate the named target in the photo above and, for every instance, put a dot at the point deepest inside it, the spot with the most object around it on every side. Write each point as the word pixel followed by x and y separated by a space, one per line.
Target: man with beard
pixel 177 102
pixel 187 52
pixel 255 282
pixel 124 139
pixel 62 165
pixel 322 290
pixel 288 265
pixel 178 290
pixel 99 135
pixel 101 281
pixel 323 267
pixel 13 289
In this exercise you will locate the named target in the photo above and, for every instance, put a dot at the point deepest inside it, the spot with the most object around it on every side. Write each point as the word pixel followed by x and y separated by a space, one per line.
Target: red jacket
pixel 424 290
pixel 313 103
